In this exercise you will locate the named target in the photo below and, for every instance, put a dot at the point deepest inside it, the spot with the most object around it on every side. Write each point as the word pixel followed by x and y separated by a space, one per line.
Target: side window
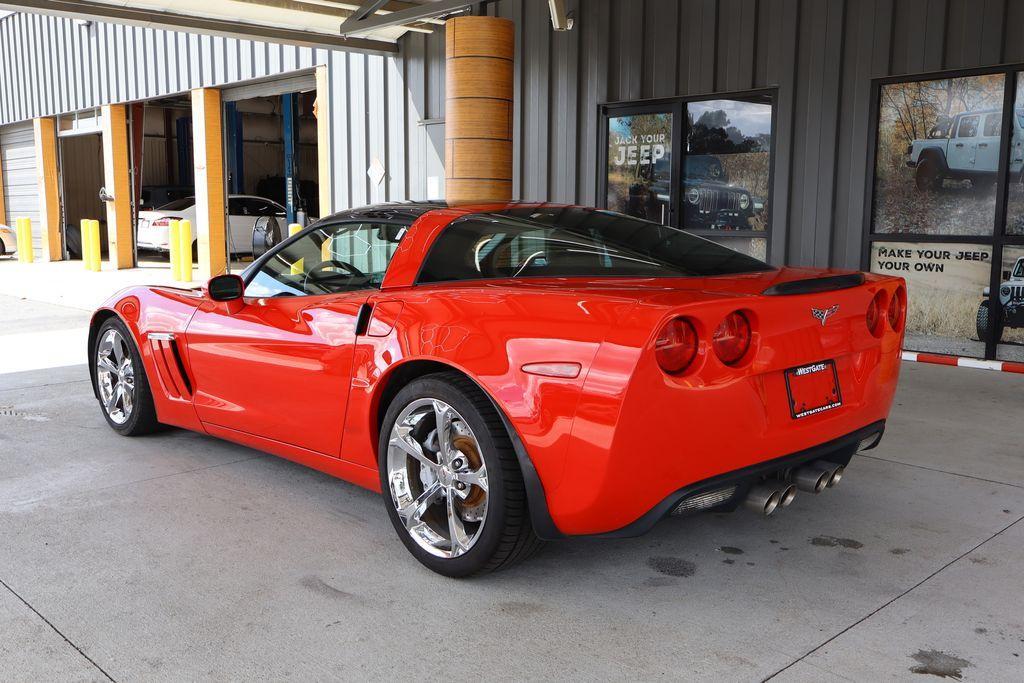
pixel 261 207
pixel 329 259
pixel 968 127
pixel 235 207
pixel 993 125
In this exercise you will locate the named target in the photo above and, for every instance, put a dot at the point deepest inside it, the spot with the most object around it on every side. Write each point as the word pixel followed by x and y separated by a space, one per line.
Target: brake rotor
pixel 467 447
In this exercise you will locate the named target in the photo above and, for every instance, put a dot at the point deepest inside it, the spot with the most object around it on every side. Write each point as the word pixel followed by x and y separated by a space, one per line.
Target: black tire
pixel 507 536
pixel 982 324
pixel 142 418
pixel 929 174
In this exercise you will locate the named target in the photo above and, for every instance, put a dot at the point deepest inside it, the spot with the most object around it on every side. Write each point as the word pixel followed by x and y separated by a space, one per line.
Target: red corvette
pixel 511 373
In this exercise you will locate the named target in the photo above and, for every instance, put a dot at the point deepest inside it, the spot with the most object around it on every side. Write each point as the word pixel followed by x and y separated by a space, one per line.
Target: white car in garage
pixel 243 210
pixel 8 240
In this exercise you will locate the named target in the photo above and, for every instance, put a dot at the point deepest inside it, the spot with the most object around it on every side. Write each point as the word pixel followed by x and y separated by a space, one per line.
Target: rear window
pixel 178 204
pixel 574 242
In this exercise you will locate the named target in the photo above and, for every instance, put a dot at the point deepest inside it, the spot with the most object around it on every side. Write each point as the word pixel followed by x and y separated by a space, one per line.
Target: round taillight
pixel 874 315
pixel 896 309
pixel 732 338
pixel 676 346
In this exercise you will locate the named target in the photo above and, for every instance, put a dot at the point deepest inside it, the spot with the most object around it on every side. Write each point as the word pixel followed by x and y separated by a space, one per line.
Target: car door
pixel 278 364
pixel 986 158
pixel 964 146
pixel 240 221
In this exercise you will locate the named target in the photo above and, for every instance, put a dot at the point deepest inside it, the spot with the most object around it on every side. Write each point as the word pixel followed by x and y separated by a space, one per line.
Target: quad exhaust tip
pixel 768 496
pixel 817 476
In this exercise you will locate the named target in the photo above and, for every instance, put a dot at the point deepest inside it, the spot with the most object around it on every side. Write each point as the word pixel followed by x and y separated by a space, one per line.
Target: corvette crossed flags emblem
pixel 823 314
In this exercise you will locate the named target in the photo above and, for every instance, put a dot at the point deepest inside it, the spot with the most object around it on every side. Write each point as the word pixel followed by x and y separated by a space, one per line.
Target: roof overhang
pixel 362 25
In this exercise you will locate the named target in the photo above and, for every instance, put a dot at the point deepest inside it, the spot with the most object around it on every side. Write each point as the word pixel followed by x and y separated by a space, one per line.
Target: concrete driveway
pixel 181 557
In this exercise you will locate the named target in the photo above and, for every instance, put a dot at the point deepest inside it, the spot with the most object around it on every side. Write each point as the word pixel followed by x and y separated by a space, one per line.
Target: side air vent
pixel 817 284
pixel 170 366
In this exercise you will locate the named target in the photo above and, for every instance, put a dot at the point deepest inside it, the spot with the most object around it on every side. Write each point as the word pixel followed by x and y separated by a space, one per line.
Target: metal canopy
pixel 363 25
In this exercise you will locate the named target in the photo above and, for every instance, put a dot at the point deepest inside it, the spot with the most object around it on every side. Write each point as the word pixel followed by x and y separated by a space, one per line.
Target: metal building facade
pixel 820 55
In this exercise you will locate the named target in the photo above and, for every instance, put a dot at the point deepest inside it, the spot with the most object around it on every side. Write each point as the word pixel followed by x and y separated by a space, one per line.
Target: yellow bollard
pixel 95 250
pixel 298 268
pixel 83 227
pixel 24 234
pixel 174 242
pixel 185 250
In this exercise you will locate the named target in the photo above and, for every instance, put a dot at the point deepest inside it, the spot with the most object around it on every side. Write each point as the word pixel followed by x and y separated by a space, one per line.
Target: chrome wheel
pixel 437 477
pixel 115 376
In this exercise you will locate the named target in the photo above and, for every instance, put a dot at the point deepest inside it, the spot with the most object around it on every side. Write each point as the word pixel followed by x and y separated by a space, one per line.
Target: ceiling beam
pixel 368 8
pixel 98 11
pixel 405 16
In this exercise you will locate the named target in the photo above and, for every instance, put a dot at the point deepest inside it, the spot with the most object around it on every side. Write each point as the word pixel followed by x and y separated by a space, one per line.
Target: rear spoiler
pixel 817 284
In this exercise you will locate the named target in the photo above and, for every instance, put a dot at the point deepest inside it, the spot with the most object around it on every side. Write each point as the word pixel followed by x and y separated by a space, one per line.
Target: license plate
pixel 813 389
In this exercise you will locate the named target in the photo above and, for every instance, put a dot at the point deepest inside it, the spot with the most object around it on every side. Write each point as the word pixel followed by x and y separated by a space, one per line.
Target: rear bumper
pixel 737 483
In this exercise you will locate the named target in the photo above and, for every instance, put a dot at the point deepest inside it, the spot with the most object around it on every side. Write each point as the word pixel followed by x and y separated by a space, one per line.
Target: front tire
pixel 120 381
pixel 982 323
pixel 450 478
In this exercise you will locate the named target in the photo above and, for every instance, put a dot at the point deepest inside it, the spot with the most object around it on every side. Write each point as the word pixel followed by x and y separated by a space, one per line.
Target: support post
pixel 235 148
pixel 479 58
pixel 208 151
pixel 3 204
pixel 45 130
pixel 322 113
pixel 118 183
pixel 290 128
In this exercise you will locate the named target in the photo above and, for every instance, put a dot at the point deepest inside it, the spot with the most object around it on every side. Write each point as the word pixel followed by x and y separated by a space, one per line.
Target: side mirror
pixel 225 288
pixel 1006 275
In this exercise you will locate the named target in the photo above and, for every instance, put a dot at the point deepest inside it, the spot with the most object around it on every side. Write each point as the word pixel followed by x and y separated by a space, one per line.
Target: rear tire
pixel 929 175
pixel 491 522
pixel 120 381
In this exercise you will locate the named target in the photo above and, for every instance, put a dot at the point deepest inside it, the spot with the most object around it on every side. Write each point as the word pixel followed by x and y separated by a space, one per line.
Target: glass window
pixel 945 284
pixel 727 167
pixel 927 182
pixel 968 127
pixel 327 260
pixel 993 125
pixel 640 165
pixel 1015 187
pixel 574 242
pixel 1009 316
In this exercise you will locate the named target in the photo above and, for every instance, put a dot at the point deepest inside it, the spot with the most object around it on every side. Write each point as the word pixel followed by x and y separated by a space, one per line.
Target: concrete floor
pixel 181 557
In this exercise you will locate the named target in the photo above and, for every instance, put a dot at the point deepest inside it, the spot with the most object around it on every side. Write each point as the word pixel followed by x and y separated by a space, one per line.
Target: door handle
pixel 982 144
pixel 959 144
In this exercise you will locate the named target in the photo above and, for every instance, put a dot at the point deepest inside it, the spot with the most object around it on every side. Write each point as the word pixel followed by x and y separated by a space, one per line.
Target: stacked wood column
pixel 478 109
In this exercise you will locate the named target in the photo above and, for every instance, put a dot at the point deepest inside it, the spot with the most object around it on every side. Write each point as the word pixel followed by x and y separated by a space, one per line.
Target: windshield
pixel 1019 270
pixel 574 242
pixel 704 166
pixel 178 204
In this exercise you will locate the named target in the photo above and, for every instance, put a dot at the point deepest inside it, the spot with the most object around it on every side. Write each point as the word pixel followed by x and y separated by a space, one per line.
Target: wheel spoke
pixel 476 477
pixel 126 398
pixel 412 513
pixel 404 440
pixel 104 363
pixel 443 418
pixel 117 349
pixel 457 531
pixel 115 395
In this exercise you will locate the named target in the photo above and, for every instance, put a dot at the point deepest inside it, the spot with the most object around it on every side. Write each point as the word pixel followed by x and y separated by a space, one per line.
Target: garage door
pixel 21 188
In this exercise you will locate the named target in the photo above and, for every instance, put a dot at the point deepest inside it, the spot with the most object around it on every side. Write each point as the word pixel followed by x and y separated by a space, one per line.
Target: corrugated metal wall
pixel 820 54
pixel 103 63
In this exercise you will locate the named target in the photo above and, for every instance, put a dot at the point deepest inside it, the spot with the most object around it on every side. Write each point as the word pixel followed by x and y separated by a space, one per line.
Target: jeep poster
pixel 640 165
pixel 937 165
pixel 938 156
